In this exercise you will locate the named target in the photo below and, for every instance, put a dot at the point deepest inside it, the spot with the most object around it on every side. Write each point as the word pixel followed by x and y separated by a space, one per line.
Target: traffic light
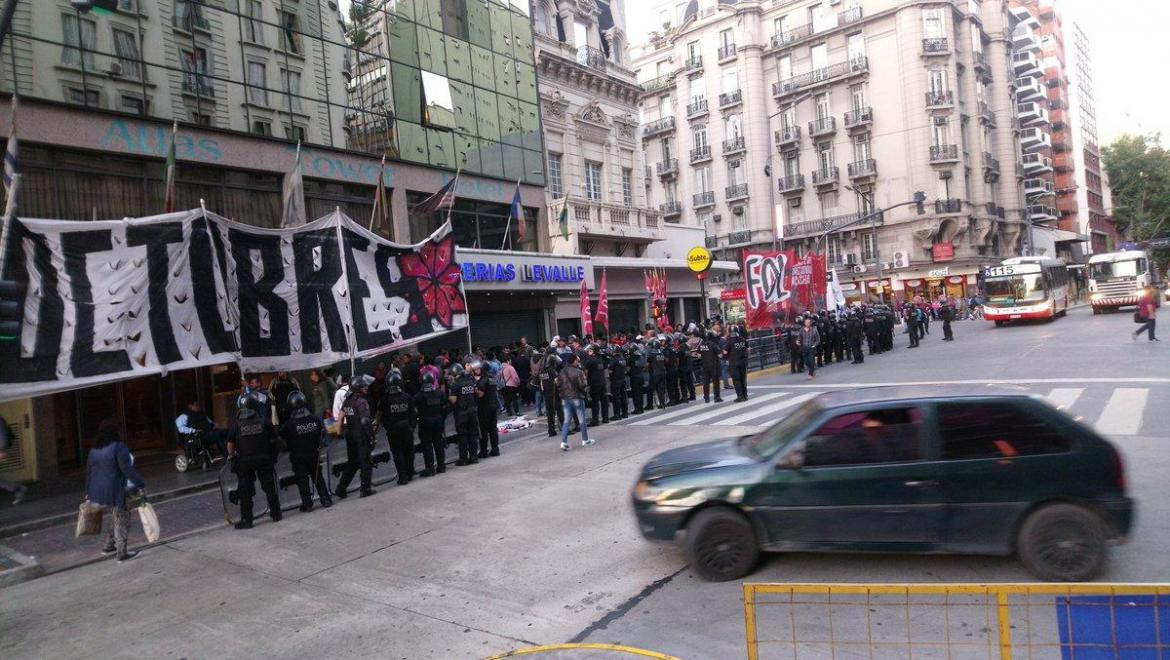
pixel 919 199
pixel 11 313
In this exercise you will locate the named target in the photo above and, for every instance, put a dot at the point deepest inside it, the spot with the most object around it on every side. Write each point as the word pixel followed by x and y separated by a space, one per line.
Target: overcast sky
pixel 1131 51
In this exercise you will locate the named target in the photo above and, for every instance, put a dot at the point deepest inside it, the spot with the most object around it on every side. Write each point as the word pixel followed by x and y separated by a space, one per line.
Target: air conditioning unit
pixel 718 217
pixel 850 259
pixel 941 121
pixel 859 269
pixel 887 265
pixel 114 68
pixel 738 210
pixel 901 260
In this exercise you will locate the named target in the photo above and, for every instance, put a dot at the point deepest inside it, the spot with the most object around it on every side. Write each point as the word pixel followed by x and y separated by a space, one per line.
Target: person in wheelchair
pixel 195 427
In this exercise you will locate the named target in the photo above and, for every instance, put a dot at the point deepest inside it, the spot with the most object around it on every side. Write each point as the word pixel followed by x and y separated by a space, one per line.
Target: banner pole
pixel 349 335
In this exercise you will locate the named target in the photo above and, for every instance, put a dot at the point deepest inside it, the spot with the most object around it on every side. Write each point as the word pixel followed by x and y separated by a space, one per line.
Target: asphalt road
pixel 539 547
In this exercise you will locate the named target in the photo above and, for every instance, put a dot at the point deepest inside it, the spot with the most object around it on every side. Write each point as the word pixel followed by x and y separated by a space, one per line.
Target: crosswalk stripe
pixel 708 414
pixel 765 411
pixel 1065 397
pixel 1123 413
pixel 648 419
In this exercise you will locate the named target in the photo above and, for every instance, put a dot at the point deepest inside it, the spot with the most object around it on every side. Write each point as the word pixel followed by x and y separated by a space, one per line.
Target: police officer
pixel 636 362
pixel 839 344
pixel 546 374
pixel 397 415
pixel 430 405
pixel 357 425
pixel 737 359
pixel 854 332
pixel 794 362
pixel 595 376
pixel 709 353
pixel 488 411
pixel 671 359
pixel 464 404
pixel 617 383
pixel 911 316
pixel 947 311
pixel 686 366
pixel 869 326
pixel 253 446
pixel 657 364
pixel 888 328
pixel 302 433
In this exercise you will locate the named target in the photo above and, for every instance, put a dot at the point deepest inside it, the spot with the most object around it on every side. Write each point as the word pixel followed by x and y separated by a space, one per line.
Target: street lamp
pixel 768 167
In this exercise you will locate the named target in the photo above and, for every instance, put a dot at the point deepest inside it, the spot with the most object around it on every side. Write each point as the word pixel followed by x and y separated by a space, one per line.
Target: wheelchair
pixel 198 450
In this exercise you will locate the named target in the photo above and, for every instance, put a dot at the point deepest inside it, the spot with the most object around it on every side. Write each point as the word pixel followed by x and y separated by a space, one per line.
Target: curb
pixel 27 568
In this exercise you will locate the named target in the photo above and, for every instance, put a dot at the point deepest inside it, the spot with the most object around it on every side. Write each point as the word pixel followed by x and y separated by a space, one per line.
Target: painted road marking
pixel 687 421
pixel 1002 381
pixel 687 409
pixel 739 420
pixel 1123 413
pixel 1065 397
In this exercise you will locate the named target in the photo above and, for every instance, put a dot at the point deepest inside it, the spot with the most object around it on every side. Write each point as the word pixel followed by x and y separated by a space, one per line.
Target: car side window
pixel 995 430
pixel 886 435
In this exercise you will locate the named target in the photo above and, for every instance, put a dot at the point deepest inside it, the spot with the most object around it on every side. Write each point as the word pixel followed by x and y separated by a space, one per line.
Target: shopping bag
pixel 89 519
pixel 149 520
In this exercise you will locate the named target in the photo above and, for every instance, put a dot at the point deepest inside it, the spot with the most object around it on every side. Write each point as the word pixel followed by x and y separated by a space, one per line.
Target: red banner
pixel 602 315
pixel 780 285
pixel 586 316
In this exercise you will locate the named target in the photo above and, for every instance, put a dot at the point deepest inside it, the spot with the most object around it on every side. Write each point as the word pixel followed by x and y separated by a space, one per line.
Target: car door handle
pixel 920 484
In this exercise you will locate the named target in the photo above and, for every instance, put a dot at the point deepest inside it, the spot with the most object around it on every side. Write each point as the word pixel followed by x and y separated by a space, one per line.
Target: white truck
pixel 1118 279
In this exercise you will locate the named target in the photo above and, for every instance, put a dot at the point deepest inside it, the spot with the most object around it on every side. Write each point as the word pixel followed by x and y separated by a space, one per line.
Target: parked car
pixel 905 470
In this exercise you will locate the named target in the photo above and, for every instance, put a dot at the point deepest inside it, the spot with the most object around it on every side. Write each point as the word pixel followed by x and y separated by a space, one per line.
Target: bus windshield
pixel 1016 289
pixel 1107 269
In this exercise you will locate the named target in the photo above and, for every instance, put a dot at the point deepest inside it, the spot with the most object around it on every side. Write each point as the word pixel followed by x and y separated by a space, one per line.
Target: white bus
pixel 1023 288
pixel 1117 279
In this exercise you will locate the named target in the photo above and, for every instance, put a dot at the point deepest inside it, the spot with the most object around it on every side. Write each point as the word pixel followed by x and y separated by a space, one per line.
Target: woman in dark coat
pixel 109 468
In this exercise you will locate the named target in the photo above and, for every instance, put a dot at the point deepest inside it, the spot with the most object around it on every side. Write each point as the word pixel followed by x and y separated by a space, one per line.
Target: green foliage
pixel 1139 177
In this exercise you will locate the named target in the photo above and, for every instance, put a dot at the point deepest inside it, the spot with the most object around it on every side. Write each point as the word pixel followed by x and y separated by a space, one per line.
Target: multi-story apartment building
pixel 802 116
pixel 1064 183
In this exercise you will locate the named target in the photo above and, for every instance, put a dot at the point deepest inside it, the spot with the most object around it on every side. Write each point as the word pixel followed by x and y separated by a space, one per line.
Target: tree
pixel 1139 178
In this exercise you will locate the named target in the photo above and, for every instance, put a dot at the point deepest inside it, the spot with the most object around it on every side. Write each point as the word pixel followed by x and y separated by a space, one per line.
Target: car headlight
pixel 644 491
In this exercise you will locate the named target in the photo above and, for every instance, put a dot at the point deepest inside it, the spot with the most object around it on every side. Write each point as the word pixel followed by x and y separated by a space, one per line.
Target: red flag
pixel 586 316
pixel 602 316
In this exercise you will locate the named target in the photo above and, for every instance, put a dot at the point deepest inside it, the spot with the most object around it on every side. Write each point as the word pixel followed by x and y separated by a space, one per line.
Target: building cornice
pixel 555 68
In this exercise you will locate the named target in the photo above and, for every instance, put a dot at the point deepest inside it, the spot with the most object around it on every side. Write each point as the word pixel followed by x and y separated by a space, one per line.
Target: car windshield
pixel 767 442
pixel 1107 269
pixel 1015 289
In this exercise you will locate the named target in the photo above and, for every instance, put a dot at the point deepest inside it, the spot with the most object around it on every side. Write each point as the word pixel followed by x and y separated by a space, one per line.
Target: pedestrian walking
pixel 737 359
pixel 1147 311
pixel 109 473
pixel 572 387
pixel 510 378
pixel 808 340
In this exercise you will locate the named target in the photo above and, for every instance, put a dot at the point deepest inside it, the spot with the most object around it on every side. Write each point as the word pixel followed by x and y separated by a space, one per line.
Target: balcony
pixel 936 46
pixel 1031 114
pixel 827 225
pixel 1034 139
pixel 787 137
pixel 822 126
pixel 1026 64
pixel 940 99
pixel 734 146
pixel 852 67
pixel 1029 89
pixel 693 64
pixel 863 169
pixel 1037 186
pixel 614 221
pixel 791 184
pixel 985 114
pixel 667 169
pixel 591 57
pixel 198 85
pixel 1042 213
pixel 848 16
pixel 1036 164
pixel 990 164
pixel 1024 39
pixel 697 108
pixel 739 237
pixel 726 52
pixel 791 36
pixel 703 199
pixel 944 153
pixel 700 154
pixel 825 177
pixel 991 209
pixel 728 99
pixel 658 84
pixel 948 206
pixel 737 191
pixel 670 209
pixel 1062 163
pixel 858 118
pixel 711 242
pixel 980 61
pixel 664 125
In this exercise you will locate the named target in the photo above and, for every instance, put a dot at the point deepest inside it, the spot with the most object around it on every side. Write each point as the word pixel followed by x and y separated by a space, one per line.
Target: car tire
pixel 721 545
pixel 999 324
pixel 1063 543
pixel 1096 311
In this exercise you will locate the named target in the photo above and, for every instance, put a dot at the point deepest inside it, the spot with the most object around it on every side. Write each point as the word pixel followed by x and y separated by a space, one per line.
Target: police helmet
pixel 394 382
pixel 428 382
pixel 248 406
pixel 296 400
pixel 735 331
pixel 475 366
pixel 362 383
pixel 457 370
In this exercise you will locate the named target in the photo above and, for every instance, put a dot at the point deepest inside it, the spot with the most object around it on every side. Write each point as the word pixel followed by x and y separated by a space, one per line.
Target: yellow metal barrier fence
pixel 957 621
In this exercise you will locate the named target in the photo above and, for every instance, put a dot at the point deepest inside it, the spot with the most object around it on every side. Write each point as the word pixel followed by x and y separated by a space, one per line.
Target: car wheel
pixel 181 463
pixel 1063 543
pixel 721 545
pixel 998 324
pixel 1096 310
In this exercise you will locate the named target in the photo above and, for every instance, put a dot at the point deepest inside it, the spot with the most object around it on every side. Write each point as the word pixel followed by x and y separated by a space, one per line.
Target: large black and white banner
pixel 110 300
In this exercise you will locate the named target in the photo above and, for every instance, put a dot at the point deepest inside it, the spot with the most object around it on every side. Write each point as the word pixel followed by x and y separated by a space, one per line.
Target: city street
pixel 540 547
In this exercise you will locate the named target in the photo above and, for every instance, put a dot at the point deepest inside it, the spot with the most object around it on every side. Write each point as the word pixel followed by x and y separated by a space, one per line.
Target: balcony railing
pixel 659 83
pixel 726 52
pixel 711 242
pixel 944 152
pixel 848 16
pixel 940 99
pixel 733 146
pixel 739 237
pixel 822 126
pixel 792 183
pixel 700 154
pixel 668 167
pixel 191 19
pixel 858 117
pixel 703 199
pixel 730 98
pixel 936 46
pixel 198 85
pixel 862 168
pixel 693 63
pixel 990 162
pixel 591 57
pixel 789 136
pixel 670 208
pixel 825 176
pixel 852 66
pixel 696 108
pixel 948 205
pixel 659 126
pixel 603 219
pixel 791 36
pixel 827 225
pixel 980 59
pixel 986 114
pixel 737 191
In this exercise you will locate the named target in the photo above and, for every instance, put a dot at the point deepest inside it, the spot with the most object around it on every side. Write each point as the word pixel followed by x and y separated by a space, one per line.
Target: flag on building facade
pixel 517 212
pixel 171 201
pixel 444 198
pixel 380 216
pixel 11 164
pixel 563 220
pixel 586 316
pixel 294 196
pixel 602 316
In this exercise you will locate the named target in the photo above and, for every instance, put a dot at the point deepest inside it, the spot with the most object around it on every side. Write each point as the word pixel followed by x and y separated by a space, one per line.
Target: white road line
pixel 687 409
pixel 1002 381
pixel 708 414
pixel 1065 397
pixel 765 411
pixel 1123 413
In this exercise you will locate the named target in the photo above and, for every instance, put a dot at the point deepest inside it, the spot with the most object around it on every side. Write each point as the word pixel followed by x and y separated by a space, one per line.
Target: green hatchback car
pixel 902 470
